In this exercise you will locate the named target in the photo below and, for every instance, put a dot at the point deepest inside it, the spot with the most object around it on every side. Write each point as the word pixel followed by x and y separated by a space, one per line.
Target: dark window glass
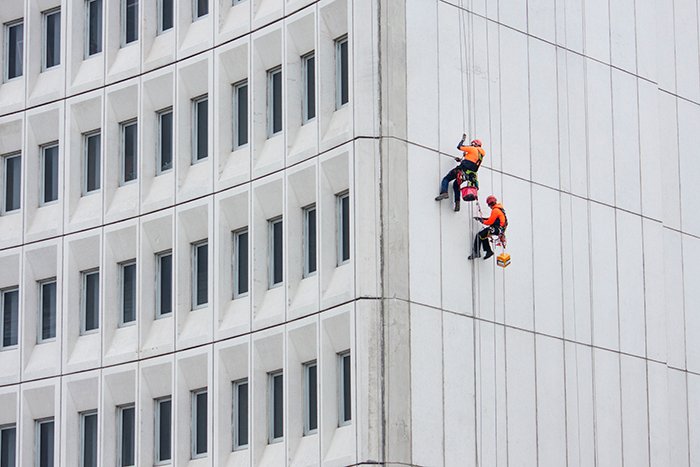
pixel 275 100
pixel 164 430
pixel 48 310
pixel 92 162
pixel 309 87
pixel 342 70
pixel 201 128
pixel 277 418
pixel 165 283
pixel 200 423
pixel 52 36
pixel 241 415
pixel 15 50
pixel 50 169
pixel 10 315
pixel 13 182
pixel 131 20
pixel 202 8
pixel 166 140
pixel 310 240
pixel 127 436
pixel 8 446
pixel 241 262
pixel 346 407
pixel 241 117
pixel 276 251
pixel 129 151
pixel 344 230
pixel 89 440
pixel 201 261
pixel 128 293
pixel 311 398
pixel 46 443
pixel 91 300
pixel 166 14
pixel 94 27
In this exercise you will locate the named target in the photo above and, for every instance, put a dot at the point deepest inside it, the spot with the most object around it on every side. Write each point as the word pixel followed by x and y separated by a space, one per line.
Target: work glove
pixel 480 219
pixel 458 159
pixel 464 136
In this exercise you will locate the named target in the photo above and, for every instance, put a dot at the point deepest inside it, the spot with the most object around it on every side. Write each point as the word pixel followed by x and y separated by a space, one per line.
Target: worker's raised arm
pixel 460 145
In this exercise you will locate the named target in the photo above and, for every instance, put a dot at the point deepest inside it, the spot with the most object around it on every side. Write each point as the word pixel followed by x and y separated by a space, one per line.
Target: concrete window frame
pixel 310 392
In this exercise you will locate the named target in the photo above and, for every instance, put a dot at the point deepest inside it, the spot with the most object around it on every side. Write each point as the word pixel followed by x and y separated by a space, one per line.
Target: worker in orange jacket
pixel 472 156
pixel 495 225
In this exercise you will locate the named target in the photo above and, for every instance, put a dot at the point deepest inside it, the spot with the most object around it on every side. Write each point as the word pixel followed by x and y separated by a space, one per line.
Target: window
pixel 14 40
pixel 94 27
pixel 90 309
pixel 92 162
pixel 240 114
pixel 200 8
pixel 199 423
pixel 126 435
pixel 8 446
pixel 275 251
pixel 341 72
pixel 164 283
pixel 10 316
pixel 240 263
pixel 52 38
pixel 165 140
pixel 309 239
pixel 343 207
pixel 88 439
pixel 49 169
pixel 274 101
pixel 128 295
pixel 200 277
pixel 344 390
pixel 163 429
pixel 130 21
pixel 275 406
pixel 165 15
pixel 240 414
pixel 200 128
pixel 13 181
pixel 47 310
pixel 309 104
pixel 310 398
pixel 44 442
pixel 129 137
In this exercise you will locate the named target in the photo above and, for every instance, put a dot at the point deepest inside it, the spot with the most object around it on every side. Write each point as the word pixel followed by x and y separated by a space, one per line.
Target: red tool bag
pixel 469 191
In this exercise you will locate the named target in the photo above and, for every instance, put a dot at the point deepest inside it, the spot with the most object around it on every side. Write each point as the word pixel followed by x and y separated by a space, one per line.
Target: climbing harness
pixel 468 185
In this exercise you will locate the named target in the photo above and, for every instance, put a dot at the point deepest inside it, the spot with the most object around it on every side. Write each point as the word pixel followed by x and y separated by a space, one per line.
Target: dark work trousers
pixel 482 239
pixel 452 174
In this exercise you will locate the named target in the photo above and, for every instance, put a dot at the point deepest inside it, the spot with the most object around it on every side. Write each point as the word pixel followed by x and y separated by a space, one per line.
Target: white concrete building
pixel 219 244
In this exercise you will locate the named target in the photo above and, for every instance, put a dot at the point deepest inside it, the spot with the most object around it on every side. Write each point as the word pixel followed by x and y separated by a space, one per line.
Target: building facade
pixel 219 244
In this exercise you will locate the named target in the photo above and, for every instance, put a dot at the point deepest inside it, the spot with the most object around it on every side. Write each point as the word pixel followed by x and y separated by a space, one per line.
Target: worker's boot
pixel 456 208
pixel 488 255
pixel 442 196
pixel 474 256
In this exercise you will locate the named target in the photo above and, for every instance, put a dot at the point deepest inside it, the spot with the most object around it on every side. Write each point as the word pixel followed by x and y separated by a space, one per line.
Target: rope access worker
pixel 468 163
pixel 495 225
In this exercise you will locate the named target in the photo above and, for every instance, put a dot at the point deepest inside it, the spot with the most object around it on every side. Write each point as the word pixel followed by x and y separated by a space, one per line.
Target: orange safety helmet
pixel 491 200
pixel 476 142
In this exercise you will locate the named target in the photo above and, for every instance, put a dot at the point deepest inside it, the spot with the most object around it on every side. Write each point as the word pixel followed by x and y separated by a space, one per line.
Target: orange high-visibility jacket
pixel 473 154
pixel 497 217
